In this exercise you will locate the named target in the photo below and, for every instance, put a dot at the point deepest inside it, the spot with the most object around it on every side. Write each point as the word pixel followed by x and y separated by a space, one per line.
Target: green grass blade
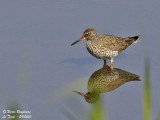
pixel 158 116
pixel 16 116
pixel 11 113
pixel 147 92
pixel 97 112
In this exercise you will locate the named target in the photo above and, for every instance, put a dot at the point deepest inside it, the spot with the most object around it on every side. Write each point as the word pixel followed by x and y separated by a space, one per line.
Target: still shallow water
pixel 39 69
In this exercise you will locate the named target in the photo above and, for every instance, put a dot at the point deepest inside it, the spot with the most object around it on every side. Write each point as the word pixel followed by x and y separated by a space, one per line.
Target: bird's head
pixel 89 96
pixel 88 34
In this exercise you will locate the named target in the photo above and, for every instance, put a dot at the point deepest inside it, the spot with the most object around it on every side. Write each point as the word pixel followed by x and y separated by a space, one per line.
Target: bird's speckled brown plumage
pixel 105 46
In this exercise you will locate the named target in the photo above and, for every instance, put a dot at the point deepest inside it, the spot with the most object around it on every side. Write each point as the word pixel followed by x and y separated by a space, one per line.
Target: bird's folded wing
pixel 115 43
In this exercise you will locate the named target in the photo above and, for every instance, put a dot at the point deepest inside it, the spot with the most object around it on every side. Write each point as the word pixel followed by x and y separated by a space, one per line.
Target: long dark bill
pixel 75 42
pixel 82 94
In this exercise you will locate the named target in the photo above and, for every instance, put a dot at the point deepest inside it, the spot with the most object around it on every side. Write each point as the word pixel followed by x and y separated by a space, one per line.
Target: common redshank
pixel 105 46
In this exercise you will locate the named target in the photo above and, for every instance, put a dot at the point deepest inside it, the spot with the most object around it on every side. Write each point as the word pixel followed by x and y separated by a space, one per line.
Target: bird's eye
pixel 87 34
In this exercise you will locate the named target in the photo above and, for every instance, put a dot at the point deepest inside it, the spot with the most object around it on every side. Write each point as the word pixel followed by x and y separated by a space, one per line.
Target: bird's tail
pixel 133 39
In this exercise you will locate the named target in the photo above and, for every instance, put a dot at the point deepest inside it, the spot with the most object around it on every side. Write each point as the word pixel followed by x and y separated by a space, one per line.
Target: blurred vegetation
pixel 13 116
pixel 158 116
pixel 147 92
pixel 97 112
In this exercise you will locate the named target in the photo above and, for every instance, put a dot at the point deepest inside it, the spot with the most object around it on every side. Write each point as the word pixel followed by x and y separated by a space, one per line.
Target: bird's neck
pixel 94 37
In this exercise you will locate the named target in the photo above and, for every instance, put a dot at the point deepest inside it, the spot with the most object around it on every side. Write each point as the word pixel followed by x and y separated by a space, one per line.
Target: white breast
pixel 100 52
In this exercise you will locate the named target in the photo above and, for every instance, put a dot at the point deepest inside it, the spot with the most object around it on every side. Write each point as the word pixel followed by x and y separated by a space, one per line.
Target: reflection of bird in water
pixel 106 80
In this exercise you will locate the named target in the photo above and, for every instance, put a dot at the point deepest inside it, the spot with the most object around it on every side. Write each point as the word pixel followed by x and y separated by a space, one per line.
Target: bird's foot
pixel 111 66
pixel 105 64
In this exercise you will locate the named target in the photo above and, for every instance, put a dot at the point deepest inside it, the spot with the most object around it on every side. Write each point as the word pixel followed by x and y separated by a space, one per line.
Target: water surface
pixel 39 69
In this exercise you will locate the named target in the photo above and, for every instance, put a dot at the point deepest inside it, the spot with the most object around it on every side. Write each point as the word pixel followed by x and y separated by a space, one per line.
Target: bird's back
pixel 115 43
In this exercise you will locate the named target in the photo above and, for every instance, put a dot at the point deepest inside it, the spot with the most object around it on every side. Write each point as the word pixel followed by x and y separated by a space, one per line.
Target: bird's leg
pixel 111 65
pixel 105 61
